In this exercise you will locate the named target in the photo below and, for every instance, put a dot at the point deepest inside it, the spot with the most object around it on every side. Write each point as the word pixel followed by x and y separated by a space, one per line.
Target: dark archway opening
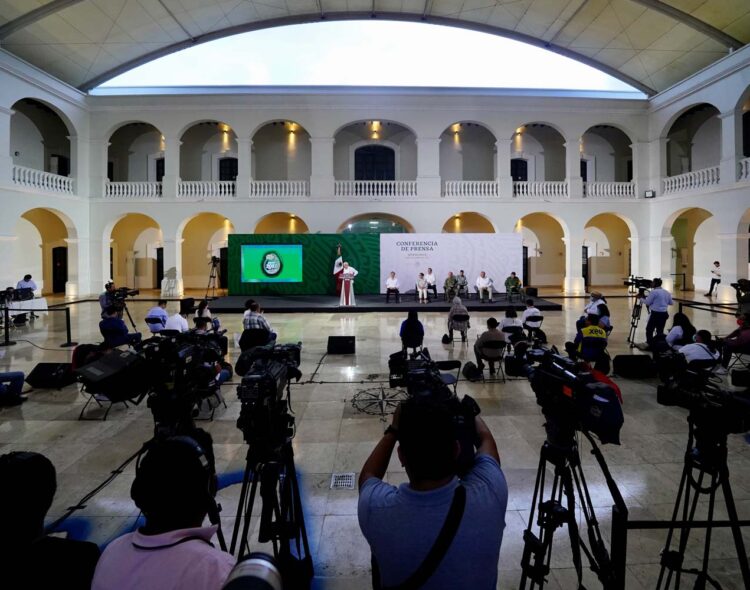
pixel 374 162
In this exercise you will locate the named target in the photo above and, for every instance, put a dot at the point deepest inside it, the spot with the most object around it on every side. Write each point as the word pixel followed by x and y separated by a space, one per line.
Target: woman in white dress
pixel 347 286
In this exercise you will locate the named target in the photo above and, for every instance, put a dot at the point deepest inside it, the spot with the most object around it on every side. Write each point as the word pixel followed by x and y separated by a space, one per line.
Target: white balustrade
pixel 624 190
pixel 41 180
pixel 471 188
pixel 697 179
pixel 279 188
pixel 745 169
pixel 133 190
pixel 375 188
pixel 206 189
pixel 546 189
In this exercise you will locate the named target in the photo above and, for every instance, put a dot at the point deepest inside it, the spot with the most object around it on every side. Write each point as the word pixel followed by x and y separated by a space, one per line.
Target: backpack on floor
pixel 446 339
pixel 471 372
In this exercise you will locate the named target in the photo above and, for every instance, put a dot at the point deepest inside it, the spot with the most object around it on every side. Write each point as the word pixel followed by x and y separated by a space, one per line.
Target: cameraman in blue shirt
pixel 657 302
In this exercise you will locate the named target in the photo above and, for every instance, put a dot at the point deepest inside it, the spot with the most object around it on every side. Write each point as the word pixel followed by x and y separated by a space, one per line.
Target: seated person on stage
pixel 462 284
pixel 511 320
pixel 530 312
pixel 412 331
pixel 489 354
pixel 513 285
pixel 11 385
pixel 26 283
pixel 431 282
pixel 450 286
pixel 159 311
pixel 32 559
pixel 115 331
pixel 402 523
pixel 422 288
pixel 590 344
pixel 248 311
pixel 703 349
pixel 177 321
pixel 737 342
pixel 458 309
pixel 257 321
pixel 484 285
pixel 392 286
pixel 173 487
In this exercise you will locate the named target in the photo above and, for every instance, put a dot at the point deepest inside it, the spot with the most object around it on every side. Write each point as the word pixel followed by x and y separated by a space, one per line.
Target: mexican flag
pixel 338 268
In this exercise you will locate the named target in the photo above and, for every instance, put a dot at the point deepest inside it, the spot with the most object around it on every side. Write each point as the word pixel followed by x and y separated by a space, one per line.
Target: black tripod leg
pixel 240 506
pixel 683 488
pixel 575 537
pixel 244 542
pixel 736 530
pixel 531 542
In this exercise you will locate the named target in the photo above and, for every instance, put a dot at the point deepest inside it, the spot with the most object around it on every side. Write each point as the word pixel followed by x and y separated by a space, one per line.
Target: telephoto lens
pixel 255 571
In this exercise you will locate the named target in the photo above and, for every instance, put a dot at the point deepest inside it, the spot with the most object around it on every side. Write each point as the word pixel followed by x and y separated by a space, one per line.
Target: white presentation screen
pixel 410 254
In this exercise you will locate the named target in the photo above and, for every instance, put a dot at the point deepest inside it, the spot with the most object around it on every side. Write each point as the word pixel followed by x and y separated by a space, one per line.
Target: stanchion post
pixel 7 341
pixel 68 342
pixel 619 546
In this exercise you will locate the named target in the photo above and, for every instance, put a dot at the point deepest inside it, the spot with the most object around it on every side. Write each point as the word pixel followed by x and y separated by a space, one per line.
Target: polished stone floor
pixel 333 437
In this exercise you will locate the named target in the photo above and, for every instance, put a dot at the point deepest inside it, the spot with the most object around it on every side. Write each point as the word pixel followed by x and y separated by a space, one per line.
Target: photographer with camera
pixel 657 302
pixel 437 531
pixel 115 331
pixel 107 297
pixel 174 487
pixel 738 342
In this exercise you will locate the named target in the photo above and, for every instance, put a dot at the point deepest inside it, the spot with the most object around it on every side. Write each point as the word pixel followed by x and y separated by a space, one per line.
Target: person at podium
pixel 347 285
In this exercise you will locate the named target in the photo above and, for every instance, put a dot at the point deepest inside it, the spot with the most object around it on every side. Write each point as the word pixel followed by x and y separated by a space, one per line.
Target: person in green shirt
pixel 450 287
pixel 513 285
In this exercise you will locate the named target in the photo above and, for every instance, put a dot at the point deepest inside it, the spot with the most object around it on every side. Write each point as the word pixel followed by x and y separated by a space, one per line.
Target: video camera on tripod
pixel 742 289
pixel 639 284
pixel 642 287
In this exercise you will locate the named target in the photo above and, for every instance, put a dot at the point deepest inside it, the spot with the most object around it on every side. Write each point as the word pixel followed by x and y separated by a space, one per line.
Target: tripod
pixel 706 454
pixel 213 277
pixel 635 318
pixel 281 519
pixel 553 513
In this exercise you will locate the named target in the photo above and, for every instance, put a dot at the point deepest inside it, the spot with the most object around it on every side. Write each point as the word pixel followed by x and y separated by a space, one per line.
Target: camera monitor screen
pixel 271 263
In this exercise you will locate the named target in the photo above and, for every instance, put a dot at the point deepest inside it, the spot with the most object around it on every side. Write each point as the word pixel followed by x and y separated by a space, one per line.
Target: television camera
pixel 421 377
pixel 742 291
pixel 638 284
pixel 639 287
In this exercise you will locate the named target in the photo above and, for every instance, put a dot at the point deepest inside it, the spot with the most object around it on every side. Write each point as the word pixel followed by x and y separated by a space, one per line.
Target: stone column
pixel 502 167
pixel 656 156
pixel 171 178
pixel 428 167
pixel 172 269
pixel 98 156
pixel 573 168
pixel 640 158
pixel 244 166
pixel 731 147
pixel 6 159
pixel 574 283
pixel 321 179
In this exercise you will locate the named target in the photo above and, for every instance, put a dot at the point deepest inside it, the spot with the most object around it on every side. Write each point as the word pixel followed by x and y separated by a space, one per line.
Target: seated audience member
pixel 484 285
pixel 680 334
pixel 32 559
pixel 247 312
pixel 513 285
pixel 159 312
pixel 204 312
pixel 392 286
pixel 412 331
pixel 26 283
pixel 462 284
pixel 115 331
pixel 530 312
pixel 177 321
pixel 590 344
pixel 592 307
pixel 737 342
pixel 422 288
pixel 11 385
pixel 174 486
pixel 257 321
pixel 204 327
pixel 483 353
pixel 604 318
pixel 511 321
pixel 458 309
pixel 450 286
pixel 401 524
pixel 703 349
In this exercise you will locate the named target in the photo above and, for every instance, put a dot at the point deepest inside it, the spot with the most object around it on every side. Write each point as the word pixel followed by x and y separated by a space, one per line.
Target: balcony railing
pixel 745 169
pixel 41 180
pixel 206 189
pixel 555 189
pixel 133 190
pixel 279 188
pixel 606 190
pixel 471 188
pixel 689 181
pixel 375 188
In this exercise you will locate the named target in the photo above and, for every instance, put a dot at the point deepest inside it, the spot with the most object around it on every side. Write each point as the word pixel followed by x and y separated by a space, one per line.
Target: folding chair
pixel 496 345
pixel 449 378
pixel 741 358
pixel 155 325
pixel 460 318
pixel 412 341
pixel 515 334
pixel 253 337
pixel 532 330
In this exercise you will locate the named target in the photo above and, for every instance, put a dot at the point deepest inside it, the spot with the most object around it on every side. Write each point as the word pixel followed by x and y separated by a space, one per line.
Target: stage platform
pixel 365 304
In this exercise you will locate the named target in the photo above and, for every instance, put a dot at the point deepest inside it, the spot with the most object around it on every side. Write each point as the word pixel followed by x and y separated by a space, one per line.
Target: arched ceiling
pixel 650 44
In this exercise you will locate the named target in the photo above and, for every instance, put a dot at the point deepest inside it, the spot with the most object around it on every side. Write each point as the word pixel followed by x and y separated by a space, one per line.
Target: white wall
pixel 705 251
pixel 26 139
pixel 27 253
pixel 706 146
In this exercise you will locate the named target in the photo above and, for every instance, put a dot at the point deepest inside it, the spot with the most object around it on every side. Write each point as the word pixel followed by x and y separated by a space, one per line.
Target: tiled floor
pixel 333 436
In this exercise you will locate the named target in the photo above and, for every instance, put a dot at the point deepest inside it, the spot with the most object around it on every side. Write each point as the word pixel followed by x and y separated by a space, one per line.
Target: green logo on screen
pixel 271 264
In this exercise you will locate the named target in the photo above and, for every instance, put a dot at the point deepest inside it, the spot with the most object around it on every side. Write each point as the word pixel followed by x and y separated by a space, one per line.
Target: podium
pixel 347 292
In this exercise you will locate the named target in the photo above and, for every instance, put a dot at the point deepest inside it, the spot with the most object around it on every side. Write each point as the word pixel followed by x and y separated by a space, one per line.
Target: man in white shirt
pixel 347 286
pixel 592 308
pixel 484 283
pixel 431 282
pixel 530 312
pixel 715 278
pixel 392 286
pixel 177 322
pixel 26 283
pixel 702 349
pixel 158 312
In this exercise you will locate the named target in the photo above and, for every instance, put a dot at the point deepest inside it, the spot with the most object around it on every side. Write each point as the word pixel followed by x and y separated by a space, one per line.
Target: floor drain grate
pixel 342 481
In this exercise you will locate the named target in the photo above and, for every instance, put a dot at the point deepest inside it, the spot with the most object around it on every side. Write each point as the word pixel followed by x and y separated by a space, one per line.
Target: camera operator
pixel 32 559
pixel 174 486
pixel 107 298
pixel 115 331
pixel 401 524
pixel 737 342
pixel 703 349
pixel 657 302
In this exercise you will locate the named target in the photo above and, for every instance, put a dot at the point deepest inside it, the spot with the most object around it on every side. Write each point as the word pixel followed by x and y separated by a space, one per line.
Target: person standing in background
pixel 715 278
